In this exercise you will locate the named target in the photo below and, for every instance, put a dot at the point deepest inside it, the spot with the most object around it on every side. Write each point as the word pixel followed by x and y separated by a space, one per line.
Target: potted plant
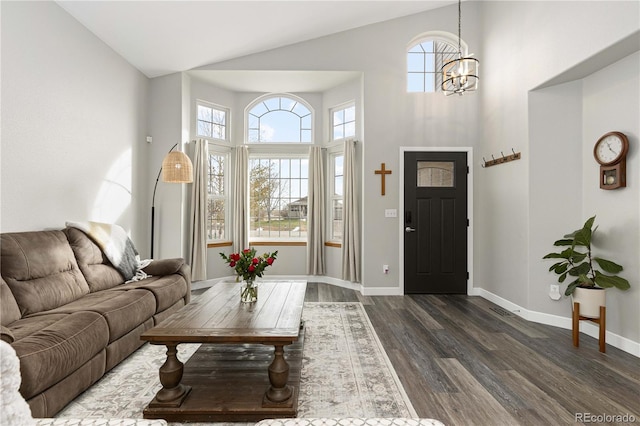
pixel 592 274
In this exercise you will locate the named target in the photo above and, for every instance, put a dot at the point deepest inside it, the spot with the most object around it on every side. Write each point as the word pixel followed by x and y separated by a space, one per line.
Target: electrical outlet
pixel 385 269
pixel 554 292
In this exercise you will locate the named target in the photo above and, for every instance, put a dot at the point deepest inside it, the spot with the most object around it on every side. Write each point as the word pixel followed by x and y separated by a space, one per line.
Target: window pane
pixel 219 117
pixel 415 62
pixel 204 113
pixel 336 222
pixel 338 132
pixel 338 185
pixel 430 82
pixel 215 220
pixel 338 117
pixel 435 174
pixel 301 110
pixel 415 82
pixel 305 136
pixel 272 104
pixel 427 46
pixel 204 128
pixel 217 131
pixel 259 109
pixel 349 129
pixel 305 122
pixel 350 114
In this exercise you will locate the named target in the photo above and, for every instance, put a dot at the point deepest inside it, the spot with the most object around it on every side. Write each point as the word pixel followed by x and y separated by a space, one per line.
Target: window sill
pixel 291 243
pixel 219 244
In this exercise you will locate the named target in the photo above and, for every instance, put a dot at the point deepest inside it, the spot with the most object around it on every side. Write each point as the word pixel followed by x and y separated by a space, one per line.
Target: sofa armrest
pixel 6 334
pixel 164 266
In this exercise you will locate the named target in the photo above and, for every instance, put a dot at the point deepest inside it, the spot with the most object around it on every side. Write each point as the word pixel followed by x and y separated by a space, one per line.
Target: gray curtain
pixel 351 221
pixel 240 201
pixel 315 213
pixel 199 198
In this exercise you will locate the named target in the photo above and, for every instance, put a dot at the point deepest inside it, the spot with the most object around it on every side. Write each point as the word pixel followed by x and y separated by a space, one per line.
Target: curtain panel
pixel 315 213
pixel 239 233
pixel 351 218
pixel 199 198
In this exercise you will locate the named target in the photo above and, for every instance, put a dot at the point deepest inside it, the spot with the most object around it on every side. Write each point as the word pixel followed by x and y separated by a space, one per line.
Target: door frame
pixel 469 151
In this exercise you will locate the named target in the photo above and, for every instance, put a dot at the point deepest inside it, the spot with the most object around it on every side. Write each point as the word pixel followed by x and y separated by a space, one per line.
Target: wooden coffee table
pixel 236 375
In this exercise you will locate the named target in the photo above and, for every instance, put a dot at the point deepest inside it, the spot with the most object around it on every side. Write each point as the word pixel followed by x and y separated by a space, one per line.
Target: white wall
pixel 73 125
pixel 611 101
pixel 165 104
pixel 391 116
pixel 512 217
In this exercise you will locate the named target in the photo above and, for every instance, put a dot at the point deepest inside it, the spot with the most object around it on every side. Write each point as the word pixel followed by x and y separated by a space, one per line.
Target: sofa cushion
pixel 166 289
pixel 97 269
pixel 41 270
pixel 123 310
pixel 9 309
pixel 58 348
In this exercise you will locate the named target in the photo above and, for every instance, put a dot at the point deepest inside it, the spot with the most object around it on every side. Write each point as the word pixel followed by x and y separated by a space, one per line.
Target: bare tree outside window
pixel 278 197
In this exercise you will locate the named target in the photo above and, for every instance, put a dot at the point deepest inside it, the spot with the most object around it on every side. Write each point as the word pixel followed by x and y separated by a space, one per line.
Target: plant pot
pixel 590 300
pixel 248 291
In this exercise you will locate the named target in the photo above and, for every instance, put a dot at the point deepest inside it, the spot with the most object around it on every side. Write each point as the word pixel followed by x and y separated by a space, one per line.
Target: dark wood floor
pixel 464 361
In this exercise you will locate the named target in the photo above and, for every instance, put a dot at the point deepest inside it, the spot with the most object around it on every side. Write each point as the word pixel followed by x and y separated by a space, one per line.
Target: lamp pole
pixel 153 203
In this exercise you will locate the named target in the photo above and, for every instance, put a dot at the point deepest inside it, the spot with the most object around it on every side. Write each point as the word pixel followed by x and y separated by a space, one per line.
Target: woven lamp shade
pixel 177 168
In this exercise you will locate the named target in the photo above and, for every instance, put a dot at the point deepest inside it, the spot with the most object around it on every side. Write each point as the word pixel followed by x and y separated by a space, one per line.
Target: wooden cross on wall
pixel 382 172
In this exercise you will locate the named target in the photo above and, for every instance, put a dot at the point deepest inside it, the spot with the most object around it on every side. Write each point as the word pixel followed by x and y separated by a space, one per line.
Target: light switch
pixel 391 213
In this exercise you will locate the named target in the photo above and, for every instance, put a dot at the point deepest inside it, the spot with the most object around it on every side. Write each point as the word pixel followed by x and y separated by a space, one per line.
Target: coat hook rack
pixel 501 160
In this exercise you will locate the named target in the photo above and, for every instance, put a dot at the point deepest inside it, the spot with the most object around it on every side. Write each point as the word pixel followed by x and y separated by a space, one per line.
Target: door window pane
pixel 435 174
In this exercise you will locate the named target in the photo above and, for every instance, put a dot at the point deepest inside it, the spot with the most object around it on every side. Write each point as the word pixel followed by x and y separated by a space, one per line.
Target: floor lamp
pixel 176 168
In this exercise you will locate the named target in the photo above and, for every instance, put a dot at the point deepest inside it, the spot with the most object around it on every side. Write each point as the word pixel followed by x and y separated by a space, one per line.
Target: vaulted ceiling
pixel 162 37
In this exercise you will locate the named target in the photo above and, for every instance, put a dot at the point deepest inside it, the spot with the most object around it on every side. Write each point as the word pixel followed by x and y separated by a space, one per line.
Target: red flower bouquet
pixel 248 265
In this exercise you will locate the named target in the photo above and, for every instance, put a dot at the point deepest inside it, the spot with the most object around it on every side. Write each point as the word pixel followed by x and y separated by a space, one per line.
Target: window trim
pixel 265 98
pixel 340 107
pixel 227 119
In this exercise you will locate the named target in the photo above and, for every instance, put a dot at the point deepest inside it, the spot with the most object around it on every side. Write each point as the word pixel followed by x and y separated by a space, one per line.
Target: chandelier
pixel 460 75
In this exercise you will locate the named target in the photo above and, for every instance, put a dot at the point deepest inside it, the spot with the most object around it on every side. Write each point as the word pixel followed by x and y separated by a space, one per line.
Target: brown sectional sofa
pixel 69 315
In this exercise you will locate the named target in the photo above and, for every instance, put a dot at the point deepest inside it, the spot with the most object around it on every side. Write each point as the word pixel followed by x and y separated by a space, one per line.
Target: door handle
pixel 409 229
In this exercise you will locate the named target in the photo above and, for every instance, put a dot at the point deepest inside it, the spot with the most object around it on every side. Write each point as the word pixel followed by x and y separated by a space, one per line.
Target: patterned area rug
pixel 345 373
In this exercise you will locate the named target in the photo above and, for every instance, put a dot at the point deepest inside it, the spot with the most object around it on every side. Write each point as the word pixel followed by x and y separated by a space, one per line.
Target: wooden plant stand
pixel 600 321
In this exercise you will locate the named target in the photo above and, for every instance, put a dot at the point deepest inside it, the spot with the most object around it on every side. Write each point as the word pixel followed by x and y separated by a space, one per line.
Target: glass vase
pixel 248 291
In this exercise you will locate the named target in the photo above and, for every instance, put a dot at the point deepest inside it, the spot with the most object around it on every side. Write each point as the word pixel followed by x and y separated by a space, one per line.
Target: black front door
pixel 435 222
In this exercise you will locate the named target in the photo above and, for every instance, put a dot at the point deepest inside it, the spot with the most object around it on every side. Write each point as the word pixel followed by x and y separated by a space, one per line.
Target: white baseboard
pixel 589 329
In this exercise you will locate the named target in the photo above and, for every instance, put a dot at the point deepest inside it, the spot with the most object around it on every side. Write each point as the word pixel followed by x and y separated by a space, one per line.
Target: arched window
pixel 279 118
pixel 426 55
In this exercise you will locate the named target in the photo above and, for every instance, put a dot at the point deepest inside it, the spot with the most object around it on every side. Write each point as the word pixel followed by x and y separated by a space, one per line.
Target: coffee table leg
pixel 279 392
pixel 173 392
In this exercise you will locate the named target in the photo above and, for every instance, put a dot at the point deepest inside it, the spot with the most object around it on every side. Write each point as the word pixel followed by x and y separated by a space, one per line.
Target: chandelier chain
pixel 459 27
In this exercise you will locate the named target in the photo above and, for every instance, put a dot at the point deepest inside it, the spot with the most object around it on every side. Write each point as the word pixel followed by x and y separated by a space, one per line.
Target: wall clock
pixel 611 152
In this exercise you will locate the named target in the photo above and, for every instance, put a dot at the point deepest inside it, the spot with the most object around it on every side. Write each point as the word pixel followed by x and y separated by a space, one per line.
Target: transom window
pixel 278 197
pixel 343 122
pixel 211 121
pixel 279 119
pixel 424 61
